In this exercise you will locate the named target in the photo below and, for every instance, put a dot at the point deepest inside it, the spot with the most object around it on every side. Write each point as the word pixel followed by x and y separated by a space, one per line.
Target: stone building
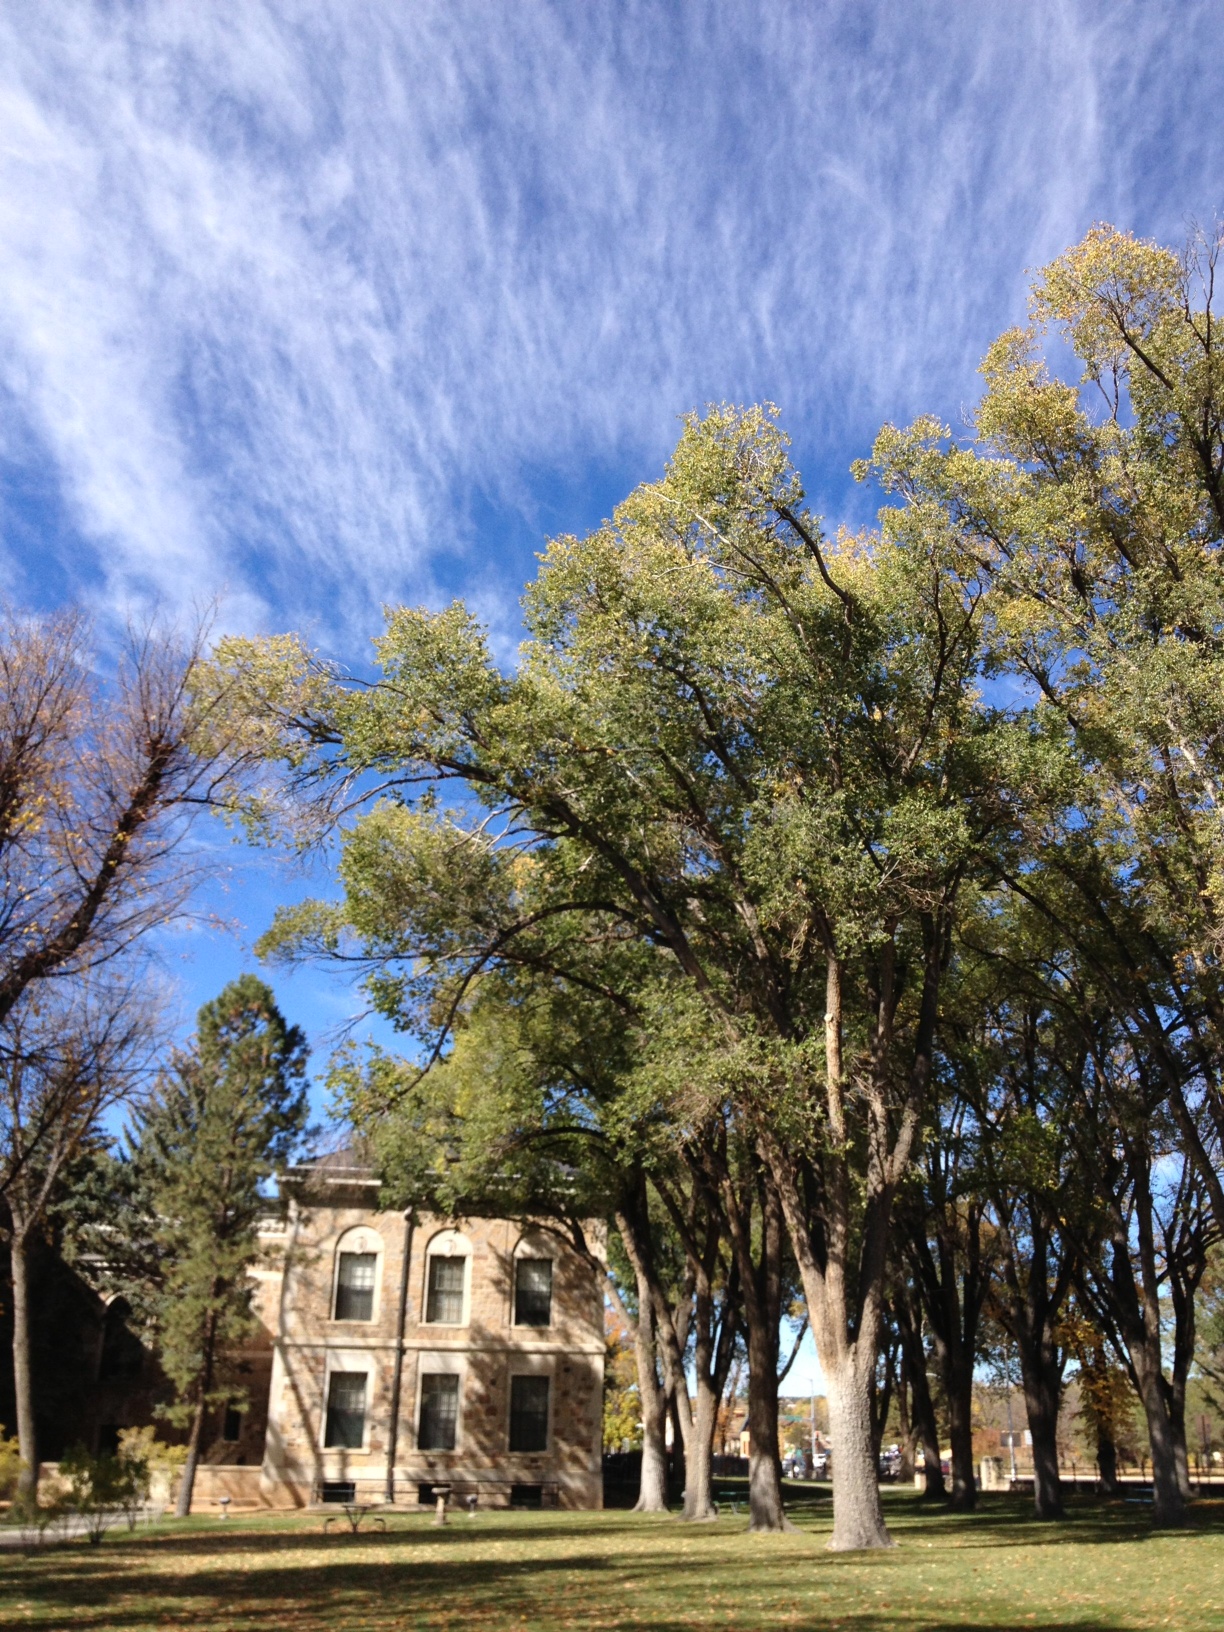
pixel 396 1353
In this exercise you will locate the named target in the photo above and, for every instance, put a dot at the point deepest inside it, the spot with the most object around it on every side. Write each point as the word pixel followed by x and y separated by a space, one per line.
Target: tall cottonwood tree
pixel 756 752
pixel 1154 1240
pixel 1096 511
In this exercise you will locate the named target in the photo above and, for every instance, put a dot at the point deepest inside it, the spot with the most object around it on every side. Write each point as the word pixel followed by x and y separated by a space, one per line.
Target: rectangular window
pixel 444 1304
pixel 529 1413
pixel 533 1292
pixel 355 1286
pixel 439 1411
pixel 346 1409
pixel 231 1429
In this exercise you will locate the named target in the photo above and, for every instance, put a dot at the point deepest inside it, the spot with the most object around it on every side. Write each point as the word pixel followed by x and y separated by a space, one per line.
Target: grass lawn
pixel 529 1571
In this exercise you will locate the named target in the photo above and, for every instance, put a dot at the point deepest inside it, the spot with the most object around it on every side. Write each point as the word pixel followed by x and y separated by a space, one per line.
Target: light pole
pixel 1011 1432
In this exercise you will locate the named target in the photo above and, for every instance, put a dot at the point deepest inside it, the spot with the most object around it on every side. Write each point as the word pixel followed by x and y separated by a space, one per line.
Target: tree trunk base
pixel 760 1527
pixel 867 1541
pixel 1169 1516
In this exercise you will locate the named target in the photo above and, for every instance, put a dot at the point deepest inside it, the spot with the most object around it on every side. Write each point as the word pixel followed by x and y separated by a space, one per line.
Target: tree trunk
pixel 652 1484
pixel 1168 1502
pixel 670 1347
pixel 1181 1457
pixel 1107 1459
pixel 698 1455
pixel 187 1485
pixel 1042 1396
pixel 925 1427
pixel 765 1507
pixel 23 1388
pixel 186 1489
pixel 713 1344
pixel 760 1280
pixel 945 1251
pixel 858 1518
pixel 652 1488
pixel 1132 1303
pixel 935 1488
pixel 843 1283
pixel 958 1385
pixel 1184 1280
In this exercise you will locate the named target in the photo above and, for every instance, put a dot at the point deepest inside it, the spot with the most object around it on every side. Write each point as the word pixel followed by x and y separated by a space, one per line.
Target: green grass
pixel 524 1572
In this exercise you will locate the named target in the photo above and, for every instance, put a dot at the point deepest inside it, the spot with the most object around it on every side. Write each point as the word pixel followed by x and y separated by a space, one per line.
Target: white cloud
pixel 291 291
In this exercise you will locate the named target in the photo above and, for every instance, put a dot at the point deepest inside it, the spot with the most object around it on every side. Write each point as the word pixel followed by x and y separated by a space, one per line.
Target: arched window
pixel 357 1274
pixel 447 1287
pixel 533 1281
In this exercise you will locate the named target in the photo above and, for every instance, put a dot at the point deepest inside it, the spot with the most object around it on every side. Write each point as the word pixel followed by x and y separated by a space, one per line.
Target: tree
pixel 524 1118
pixel 230 1110
pixel 1026 1097
pixel 67 1056
pixel 97 783
pixel 1155 1247
pixel 915 1393
pixel 622 1402
pixel 757 754
pixel 535 1113
pixel 1106 1397
pixel 948 1253
pixel 1096 512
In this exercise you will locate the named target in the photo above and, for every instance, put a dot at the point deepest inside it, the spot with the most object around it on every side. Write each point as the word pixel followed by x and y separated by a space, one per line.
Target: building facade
pixel 397 1353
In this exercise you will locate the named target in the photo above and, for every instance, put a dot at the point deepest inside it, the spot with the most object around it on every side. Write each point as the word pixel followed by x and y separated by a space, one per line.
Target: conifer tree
pixel 230 1110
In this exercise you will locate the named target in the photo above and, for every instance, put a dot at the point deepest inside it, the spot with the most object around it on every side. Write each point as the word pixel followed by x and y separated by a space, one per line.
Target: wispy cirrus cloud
pixel 326 304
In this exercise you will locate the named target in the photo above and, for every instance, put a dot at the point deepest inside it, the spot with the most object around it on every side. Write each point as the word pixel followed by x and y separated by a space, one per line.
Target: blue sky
pixel 315 307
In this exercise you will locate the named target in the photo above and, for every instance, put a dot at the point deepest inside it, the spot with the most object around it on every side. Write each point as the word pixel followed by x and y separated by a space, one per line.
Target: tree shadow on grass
pixel 1085 1524
pixel 379 1596
pixel 248 1578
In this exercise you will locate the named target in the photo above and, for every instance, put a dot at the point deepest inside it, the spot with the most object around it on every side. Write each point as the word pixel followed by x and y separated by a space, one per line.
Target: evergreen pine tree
pixel 226 1115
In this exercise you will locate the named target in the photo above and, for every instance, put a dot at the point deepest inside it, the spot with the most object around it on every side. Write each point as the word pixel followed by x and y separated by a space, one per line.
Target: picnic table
pixel 355 1512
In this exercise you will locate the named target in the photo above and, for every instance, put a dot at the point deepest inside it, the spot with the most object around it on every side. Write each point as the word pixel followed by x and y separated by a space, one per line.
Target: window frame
pixel 344 1367
pixel 355 1320
pixel 449 1245
pixel 532 1257
pixel 359 1241
pixel 450 1375
pixel 438 1362
pixel 535 1374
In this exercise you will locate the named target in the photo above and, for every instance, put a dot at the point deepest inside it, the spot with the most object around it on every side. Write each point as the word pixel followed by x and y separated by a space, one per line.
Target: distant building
pixel 395 1354
pixel 390 1354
